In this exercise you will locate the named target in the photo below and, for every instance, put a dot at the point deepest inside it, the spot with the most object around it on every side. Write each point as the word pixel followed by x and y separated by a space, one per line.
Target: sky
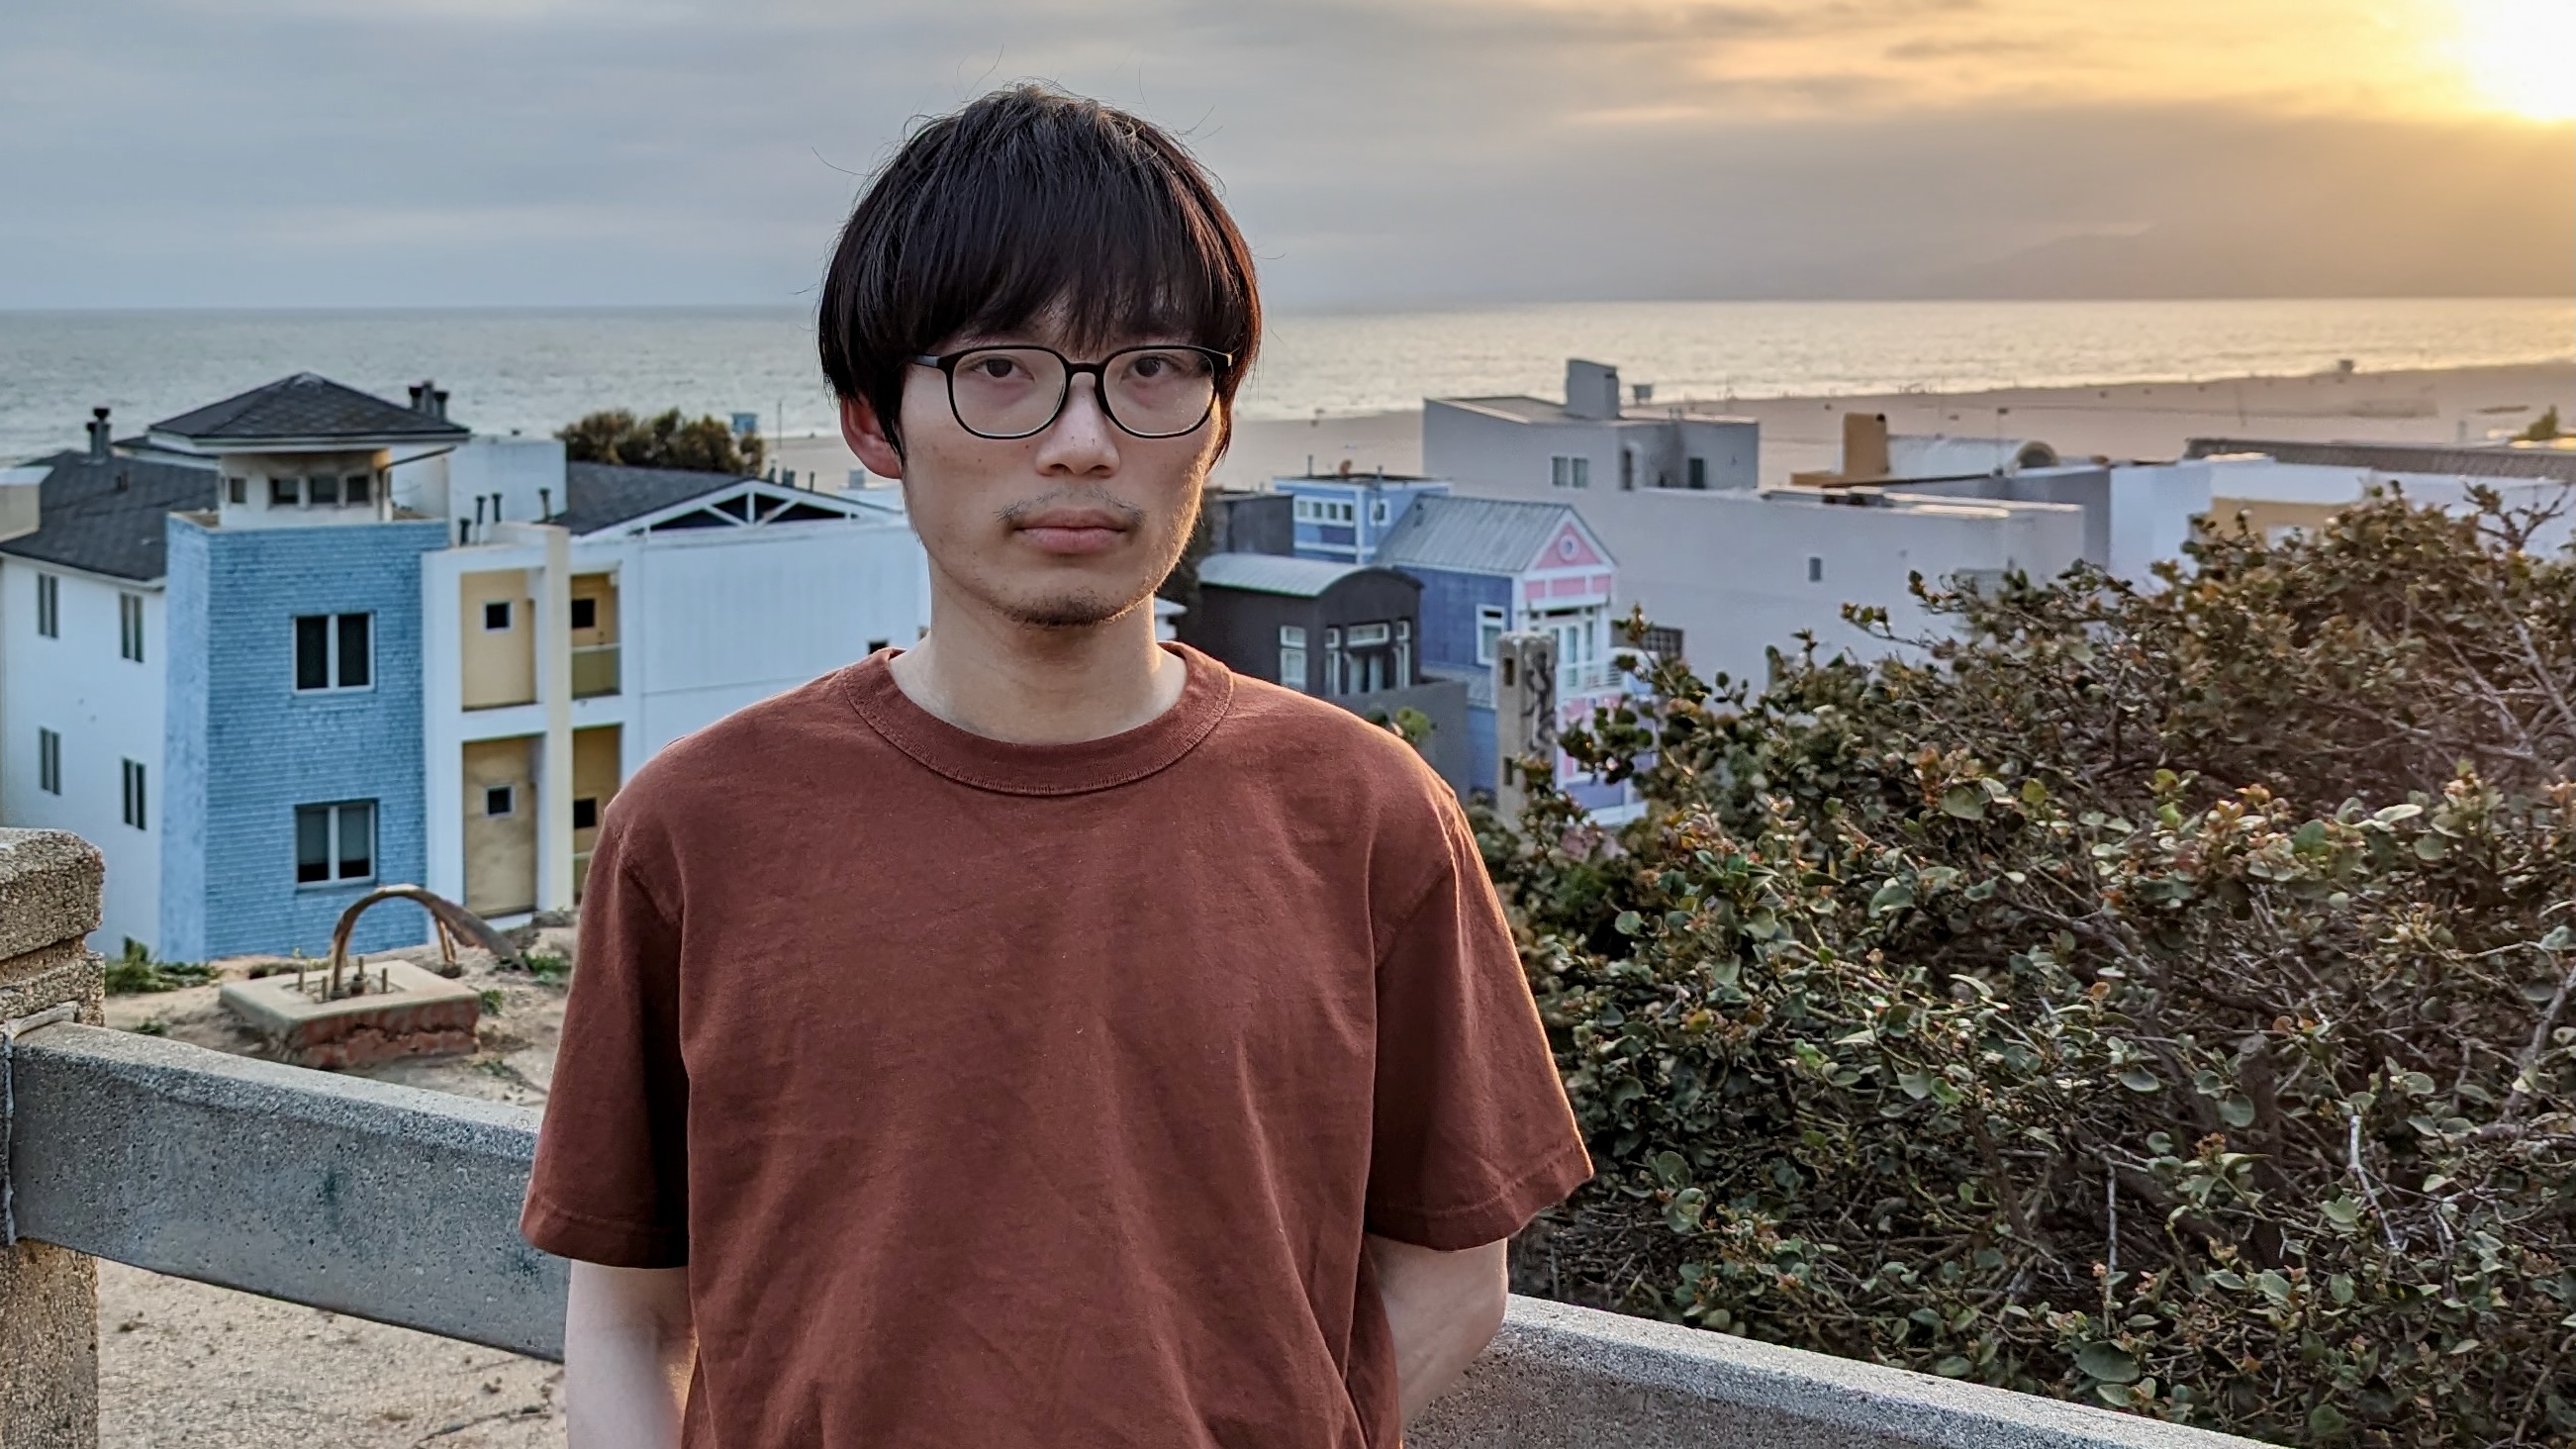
pixel 1378 153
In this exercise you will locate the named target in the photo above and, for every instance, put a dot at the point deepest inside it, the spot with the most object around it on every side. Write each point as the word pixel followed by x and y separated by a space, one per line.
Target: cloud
pixel 277 152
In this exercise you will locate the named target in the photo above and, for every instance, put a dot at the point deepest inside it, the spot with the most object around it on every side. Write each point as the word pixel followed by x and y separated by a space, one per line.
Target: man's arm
pixel 1442 1308
pixel 629 1347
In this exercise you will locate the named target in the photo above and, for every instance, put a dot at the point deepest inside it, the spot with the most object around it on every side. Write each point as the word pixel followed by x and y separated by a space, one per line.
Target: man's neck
pixel 1032 685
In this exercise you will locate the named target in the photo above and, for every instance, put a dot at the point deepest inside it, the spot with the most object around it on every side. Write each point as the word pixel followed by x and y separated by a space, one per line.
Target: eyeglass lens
pixel 1012 392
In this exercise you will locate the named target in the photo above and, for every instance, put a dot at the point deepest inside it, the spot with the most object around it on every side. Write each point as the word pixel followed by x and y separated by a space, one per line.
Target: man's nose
pixel 1081 439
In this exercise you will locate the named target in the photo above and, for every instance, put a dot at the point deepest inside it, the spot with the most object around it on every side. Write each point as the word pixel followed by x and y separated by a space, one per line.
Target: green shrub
pixel 135 973
pixel 2157 999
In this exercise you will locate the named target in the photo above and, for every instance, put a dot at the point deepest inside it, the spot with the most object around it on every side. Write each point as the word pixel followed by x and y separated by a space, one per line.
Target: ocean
pixel 534 370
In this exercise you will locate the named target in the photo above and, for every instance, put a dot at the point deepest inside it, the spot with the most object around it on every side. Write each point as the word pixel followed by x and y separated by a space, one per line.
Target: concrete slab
pixel 405 1011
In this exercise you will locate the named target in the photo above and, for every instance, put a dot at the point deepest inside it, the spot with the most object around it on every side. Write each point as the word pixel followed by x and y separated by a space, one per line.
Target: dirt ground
pixel 186 1366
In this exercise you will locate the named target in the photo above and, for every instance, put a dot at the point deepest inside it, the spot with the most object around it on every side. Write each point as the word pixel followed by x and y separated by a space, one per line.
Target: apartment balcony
pixel 1593 678
pixel 594 670
pixel 180 1160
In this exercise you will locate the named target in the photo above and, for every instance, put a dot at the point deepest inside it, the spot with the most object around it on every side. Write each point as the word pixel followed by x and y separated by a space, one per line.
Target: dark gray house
pixel 1338 631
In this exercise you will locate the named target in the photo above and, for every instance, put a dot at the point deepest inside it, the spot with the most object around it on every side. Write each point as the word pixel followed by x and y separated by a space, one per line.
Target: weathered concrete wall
pixel 49 900
pixel 1572 1378
pixel 362 1197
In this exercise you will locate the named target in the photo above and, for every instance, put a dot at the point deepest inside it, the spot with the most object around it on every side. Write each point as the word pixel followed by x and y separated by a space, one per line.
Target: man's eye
pixel 996 369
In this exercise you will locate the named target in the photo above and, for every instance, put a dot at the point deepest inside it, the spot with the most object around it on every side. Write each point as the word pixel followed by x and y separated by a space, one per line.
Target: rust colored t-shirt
pixel 1009 1095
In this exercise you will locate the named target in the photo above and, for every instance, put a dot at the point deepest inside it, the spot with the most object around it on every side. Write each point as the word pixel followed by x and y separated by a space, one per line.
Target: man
pixel 1038 1036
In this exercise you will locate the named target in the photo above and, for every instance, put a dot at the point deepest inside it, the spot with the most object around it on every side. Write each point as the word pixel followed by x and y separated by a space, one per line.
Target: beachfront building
pixel 559 656
pixel 1344 516
pixel 1732 574
pixel 2278 488
pixel 306 641
pixel 1493 566
pixel 1590 442
pixel 1343 632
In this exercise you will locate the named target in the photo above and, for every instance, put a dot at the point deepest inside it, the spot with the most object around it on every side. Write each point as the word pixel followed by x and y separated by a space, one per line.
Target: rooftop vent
pixel 98 434
pixel 428 397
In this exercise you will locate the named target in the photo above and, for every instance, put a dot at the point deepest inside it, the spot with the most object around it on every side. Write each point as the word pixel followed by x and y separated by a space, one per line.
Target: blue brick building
pixel 292 789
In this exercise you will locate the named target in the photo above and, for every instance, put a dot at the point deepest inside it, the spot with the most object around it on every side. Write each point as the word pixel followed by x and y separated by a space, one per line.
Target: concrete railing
pixel 401 1205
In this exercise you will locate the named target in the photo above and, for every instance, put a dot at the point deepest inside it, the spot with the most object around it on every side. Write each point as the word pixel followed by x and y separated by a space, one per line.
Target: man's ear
pixel 867 438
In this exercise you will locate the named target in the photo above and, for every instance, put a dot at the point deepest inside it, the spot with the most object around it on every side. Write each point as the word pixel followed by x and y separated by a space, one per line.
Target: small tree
pixel 2544 428
pixel 665 440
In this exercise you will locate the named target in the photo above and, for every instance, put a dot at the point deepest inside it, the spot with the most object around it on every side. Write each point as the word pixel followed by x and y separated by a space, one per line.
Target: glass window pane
pixel 322 488
pixel 313 651
pixel 356 660
pixel 312 843
pixel 357 841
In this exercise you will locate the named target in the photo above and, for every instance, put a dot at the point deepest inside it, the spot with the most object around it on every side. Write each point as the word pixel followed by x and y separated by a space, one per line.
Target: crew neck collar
pixel 1018 769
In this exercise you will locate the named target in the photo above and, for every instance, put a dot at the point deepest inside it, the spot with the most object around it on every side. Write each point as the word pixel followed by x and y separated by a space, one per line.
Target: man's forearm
pixel 629 1347
pixel 1442 1309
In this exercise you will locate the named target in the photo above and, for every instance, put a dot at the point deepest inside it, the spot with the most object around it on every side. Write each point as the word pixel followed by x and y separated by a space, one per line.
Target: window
pixel 321 489
pixel 500 799
pixel 1627 468
pixel 1699 472
pixel 1582 472
pixel 237 490
pixel 49 606
pixel 49 762
pixel 1815 569
pixel 1292 656
pixel 496 615
pixel 1489 633
pixel 334 651
pixel 1348 512
pixel 285 492
pixel 585 813
pixel 1403 653
pixel 335 842
pixel 134 794
pixel 876 644
pixel 1304 509
pixel 1336 678
pixel 585 613
pixel 360 488
pixel 1364 635
pixel 1377 511
pixel 129 627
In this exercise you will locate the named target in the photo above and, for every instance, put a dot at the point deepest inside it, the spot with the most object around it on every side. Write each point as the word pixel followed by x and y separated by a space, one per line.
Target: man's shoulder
pixel 1362 765
pixel 714 770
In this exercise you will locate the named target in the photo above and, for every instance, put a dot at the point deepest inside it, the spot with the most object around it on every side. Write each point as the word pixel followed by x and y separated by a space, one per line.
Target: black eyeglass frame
pixel 947 362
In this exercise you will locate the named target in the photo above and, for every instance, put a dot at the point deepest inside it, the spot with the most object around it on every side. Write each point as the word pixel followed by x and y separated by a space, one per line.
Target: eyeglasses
pixel 1157 391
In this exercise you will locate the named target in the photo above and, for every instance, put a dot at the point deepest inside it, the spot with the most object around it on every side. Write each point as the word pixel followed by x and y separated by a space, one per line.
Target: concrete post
pixel 554 686
pixel 1524 712
pixel 49 903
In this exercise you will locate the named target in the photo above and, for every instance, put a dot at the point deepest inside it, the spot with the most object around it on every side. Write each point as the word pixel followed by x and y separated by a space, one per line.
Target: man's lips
pixel 1072 530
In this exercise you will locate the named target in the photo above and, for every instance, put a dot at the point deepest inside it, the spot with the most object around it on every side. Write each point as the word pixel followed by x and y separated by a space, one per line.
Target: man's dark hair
pixel 1025 201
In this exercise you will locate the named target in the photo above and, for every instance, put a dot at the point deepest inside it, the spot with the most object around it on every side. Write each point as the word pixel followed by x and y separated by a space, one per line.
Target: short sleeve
pixel 611 1180
pixel 1472 1132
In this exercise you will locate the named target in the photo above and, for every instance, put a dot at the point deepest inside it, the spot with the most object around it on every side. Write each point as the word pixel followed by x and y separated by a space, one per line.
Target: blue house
pixel 1492 566
pixel 292 731
pixel 1342 517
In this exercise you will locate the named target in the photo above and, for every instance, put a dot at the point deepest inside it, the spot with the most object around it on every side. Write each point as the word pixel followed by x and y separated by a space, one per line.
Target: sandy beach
pixel 2121 421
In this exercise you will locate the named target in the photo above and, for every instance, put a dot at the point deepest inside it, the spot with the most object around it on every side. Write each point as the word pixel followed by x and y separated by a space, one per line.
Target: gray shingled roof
pixel 1272 573
pixel 1473 535
pixel 308 408
pixel 2541 463
pixel 86 521
pixel 603 495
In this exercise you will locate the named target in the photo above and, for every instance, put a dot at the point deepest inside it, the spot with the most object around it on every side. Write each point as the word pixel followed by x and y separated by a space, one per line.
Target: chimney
pixel 1591 389
pixel 1864 446
pixel 98 435
pixel 428 397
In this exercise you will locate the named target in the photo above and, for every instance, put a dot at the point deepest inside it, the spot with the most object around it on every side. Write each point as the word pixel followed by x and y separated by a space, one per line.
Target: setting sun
pixel 2517 54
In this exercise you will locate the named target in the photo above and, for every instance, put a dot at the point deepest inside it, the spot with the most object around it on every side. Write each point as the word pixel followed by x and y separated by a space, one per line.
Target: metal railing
pixel 401 1205
pixel 594 670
